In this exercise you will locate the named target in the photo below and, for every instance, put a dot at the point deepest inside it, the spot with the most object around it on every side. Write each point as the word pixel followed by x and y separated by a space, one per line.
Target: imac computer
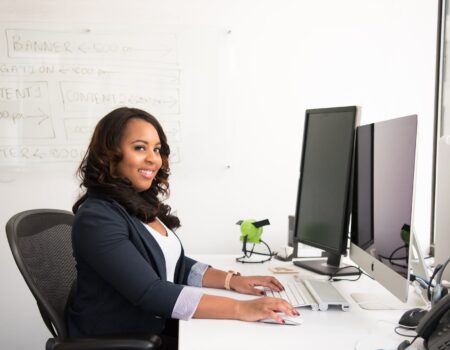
pixel 323 200
pixel 383 197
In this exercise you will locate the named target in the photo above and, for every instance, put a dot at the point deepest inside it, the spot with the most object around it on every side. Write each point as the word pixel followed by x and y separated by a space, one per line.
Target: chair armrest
pixel 153 342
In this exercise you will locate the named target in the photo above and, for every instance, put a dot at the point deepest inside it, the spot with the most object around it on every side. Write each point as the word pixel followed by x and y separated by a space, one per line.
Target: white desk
pixel 333 329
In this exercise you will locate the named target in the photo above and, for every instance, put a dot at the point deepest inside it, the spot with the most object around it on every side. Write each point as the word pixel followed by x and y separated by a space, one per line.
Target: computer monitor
pixel 323 199
pixel 381 227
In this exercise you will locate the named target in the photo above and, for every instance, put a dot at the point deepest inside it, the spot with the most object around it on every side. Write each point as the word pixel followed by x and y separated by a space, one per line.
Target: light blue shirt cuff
pixel 195 277
pixel 187 303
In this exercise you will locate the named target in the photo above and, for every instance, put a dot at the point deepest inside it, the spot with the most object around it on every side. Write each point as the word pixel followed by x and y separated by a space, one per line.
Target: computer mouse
pixel 412 317
pixel 288 320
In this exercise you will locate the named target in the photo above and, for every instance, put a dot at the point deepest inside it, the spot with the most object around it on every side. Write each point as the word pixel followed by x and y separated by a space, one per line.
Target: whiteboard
pixel 57 82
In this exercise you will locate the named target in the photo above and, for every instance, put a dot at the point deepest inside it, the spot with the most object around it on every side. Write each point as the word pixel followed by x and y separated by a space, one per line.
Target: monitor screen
pixel 322 213
pixel 383 201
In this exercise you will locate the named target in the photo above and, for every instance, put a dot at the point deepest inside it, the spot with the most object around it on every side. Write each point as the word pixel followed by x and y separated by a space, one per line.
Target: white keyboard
pixel 292 293
pixel 319 294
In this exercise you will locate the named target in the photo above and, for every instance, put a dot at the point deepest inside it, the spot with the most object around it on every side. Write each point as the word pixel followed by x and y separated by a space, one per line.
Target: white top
pixel 170 246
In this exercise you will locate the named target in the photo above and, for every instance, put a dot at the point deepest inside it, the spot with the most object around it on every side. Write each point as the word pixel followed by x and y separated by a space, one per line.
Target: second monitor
pixel 324 190
pixel 382 217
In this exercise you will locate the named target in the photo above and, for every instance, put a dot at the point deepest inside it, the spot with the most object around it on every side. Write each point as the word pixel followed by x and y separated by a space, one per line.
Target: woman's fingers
pixel 283 306
pixel 277 283
pixel 277 305
pixel 258 309
pixel 256 291
pixel 247 284
pixel 276 317
pixel 270 282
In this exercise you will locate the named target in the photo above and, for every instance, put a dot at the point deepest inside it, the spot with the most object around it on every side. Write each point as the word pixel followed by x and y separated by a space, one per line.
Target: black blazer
pixel 121 281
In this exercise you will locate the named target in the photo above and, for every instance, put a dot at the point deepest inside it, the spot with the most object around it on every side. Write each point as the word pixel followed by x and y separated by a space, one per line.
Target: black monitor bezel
pixel 342 249
pixel 354 238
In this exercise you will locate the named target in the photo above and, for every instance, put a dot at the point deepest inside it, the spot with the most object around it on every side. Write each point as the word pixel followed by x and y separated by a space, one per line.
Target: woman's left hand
pixel 247 284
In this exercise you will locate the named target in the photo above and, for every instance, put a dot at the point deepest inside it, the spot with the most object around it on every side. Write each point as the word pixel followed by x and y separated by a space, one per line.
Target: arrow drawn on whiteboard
pixel 43 116
pixel 83 47
pixel 37 154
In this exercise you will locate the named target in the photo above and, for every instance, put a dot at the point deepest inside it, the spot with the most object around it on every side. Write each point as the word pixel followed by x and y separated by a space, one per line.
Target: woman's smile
pixel 147 173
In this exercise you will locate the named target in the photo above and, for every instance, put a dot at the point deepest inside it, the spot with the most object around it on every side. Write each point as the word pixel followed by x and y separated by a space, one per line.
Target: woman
pixel 132 272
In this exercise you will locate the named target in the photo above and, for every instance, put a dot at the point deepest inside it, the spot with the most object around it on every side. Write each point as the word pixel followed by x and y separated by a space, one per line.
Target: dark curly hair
pixel 102 156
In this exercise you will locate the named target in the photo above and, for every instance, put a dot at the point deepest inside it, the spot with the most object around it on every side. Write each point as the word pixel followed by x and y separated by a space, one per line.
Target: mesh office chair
pixel 41 244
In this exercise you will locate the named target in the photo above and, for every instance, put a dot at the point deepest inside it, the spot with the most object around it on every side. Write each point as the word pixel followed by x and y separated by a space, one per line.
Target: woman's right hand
pixel 266 307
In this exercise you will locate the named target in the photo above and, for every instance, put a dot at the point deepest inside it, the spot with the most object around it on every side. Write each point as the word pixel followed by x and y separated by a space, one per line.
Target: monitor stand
pixel 386 301
pixel 417 265
pixel 417 297
pixel 330 266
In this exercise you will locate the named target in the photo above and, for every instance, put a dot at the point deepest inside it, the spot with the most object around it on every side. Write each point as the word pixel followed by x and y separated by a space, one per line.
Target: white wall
pixel 243 99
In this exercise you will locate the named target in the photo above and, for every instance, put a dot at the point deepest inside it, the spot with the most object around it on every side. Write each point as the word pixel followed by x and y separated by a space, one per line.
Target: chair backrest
pixel 41 244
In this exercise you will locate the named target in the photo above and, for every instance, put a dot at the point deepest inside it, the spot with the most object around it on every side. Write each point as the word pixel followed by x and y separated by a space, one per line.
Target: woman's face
pixel 140 147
